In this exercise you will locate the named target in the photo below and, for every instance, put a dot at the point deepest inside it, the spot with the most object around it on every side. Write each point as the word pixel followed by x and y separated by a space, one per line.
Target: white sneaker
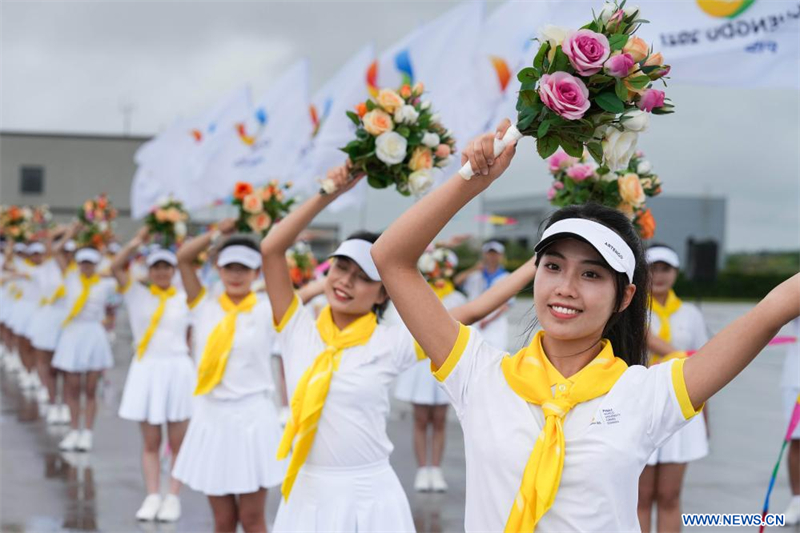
pixel 35 381
pixel 149 507
pixel 422 483
pixel 438 484
pixel 24 380
pixel 792 513
pixel 63 414
pixel 53 415
pixel 43 396
pixel 84 441
pixel 70 442
pixel 170 510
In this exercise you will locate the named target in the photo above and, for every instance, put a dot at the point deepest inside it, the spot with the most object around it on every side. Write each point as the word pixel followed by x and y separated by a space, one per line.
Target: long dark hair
pixel 627 329
pixel 378 309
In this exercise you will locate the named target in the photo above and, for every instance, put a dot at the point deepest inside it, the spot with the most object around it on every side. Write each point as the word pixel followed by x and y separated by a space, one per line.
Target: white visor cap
pixel 161 255
pixel 662 254
pixel 358 250
pixel 608 244
pixel 241 255
pixel 36 248
pixel 494 246
pixel 88 255
pixel 70 246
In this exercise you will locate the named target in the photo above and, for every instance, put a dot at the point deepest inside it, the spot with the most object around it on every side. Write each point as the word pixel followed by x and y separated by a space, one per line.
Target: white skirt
pixel 83 347
pixel 789 401
pixel 46 328
pixel 231 446
pixel 21 319
pixel 688 444
pixel 418 386
pixel 158 389
pixel 365 498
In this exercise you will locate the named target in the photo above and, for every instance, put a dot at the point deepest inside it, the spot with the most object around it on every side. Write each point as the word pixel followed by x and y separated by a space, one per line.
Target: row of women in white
pixel 556 436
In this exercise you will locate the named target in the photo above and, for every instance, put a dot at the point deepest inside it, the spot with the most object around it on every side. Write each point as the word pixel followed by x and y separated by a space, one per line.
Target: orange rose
pixel 361 109
pixel 161 215
pixel 626 209
pixel 173 215
pixel 630 189
pixel 252 204
pixel 405 91
pixel 637 48
pixel 266 194
pixel 442 151
pixel 242 189
pixel 421 158
pixel 260 222
pixel 654 60
pixel 647 224
pixel 419 88
pixel 377 122
pixel 102 202
pixel 389 100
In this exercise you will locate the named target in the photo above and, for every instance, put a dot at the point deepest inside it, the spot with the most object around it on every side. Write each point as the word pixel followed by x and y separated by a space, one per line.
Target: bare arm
pixel 397 251
pixel 58 249
pixel 284 234
pixel 497 296
pixel 311 290
pixel 461 277
pixel 728 353
pixel 119 266
pixel 189 252
pixel 658 346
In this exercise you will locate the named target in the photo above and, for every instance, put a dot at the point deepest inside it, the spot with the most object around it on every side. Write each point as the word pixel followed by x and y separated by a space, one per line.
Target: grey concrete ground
pixel 42 490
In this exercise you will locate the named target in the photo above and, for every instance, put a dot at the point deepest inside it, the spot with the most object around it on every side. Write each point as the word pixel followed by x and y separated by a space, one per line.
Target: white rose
pixel 406 115
pixel 630 10
pixel 440 254
pixel 436 118
pixel 420 181
pixel 180 229
pixel 431 140
pixel 426 263
pixel 103 225
pixel 608 10
pixel 425 105
pixel 554 35
pixel 445 162
pixel 636 120
pixel 618 148
pixel 328 186
pixel 162 201
pixel 644 167
pixel 390 147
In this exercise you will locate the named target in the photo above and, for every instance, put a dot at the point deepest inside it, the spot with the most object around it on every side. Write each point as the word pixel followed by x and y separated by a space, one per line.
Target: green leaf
pixel 543 127
pixel 370 105
pixel 599 78
pixel 403 131
pixel 528 86
pixel 560 61
pixel 618 41
pixel 620 89
pixel 572 146
pixel 527 74
pixel 525 119
pixel 596 151
pixel 608 101
pixel 639 82
pixel 538 61
pixel 529 99
pixel 546 146
pixel 354 117
pixel 375 182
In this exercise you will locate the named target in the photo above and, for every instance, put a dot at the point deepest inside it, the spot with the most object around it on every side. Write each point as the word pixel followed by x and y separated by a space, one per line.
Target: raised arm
pixel 58 248
pixel 727 353
pixel 658 346
pixel 461 277
pixel 189 252
pixel 119 266
pixel 311 290
pixel 284 234
pixel 397 251
pixel 497 295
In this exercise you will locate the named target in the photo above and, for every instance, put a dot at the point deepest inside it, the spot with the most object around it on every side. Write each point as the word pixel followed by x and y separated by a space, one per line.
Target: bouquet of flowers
pixel 301 264
pixel 166 222
pixel 16 223
pixel 41 218
pixel 261 207
pixel 97 222
pixel 399 141
pixel 578 180
pixel 590 88
pixel 438 265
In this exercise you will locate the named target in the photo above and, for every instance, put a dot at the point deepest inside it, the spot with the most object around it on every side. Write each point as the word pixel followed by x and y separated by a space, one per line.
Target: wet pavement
pixel 44 490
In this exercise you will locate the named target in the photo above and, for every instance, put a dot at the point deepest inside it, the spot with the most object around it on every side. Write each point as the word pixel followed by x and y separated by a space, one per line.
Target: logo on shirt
pixel 610 416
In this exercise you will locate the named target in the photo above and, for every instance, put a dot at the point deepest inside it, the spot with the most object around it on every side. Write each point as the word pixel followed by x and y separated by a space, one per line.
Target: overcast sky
pixel 71 66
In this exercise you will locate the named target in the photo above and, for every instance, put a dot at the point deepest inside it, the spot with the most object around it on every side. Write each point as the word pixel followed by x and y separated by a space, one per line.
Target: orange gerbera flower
pixel 242 189
pixel 647 224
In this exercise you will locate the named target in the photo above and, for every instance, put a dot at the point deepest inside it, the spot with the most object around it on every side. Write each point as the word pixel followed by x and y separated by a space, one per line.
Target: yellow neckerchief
pixel 86 288
pixel 61 290
pixel 220 342
pixel 664 313
pixel 444 290
pixel 163 295
pixel 531 375
pixel 312 389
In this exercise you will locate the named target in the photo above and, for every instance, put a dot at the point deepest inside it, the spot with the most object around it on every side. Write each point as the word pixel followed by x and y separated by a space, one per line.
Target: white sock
pixel 796 499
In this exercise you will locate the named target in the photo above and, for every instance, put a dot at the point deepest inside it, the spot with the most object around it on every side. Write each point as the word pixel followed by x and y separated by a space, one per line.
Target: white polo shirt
pixel 352 428
pixel 608 440
pixel 248 370
pixel 687 327
pixel 100 295
pixel 169 338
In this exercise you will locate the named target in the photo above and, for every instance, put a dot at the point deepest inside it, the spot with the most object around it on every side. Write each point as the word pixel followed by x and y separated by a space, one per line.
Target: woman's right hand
pixel 341 177
pixel 227 226
pixel 480 153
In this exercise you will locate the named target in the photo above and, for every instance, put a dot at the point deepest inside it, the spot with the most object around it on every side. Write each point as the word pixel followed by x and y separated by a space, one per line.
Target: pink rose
pixel 619 65
pixel 565 94
pixel 551 193
pixel 580 172
pixel 557 185
pixel 442 151
pixel 650 99
pixel 560 160
pixel 587 51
